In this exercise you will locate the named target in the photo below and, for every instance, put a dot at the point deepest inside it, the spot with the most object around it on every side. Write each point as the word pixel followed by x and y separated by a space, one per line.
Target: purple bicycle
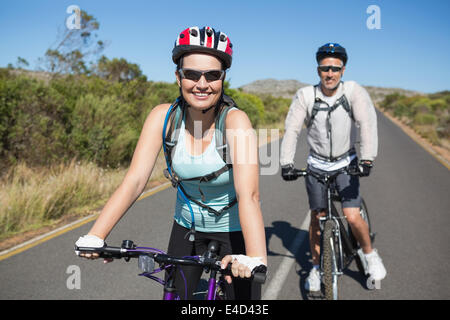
pixel 147 257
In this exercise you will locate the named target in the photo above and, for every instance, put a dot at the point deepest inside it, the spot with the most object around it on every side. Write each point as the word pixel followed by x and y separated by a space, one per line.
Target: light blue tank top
pixel 218 192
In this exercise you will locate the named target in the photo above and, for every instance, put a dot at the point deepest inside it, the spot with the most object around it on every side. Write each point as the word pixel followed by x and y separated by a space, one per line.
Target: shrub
pixel 250 104
pixel 90 118
pixel 424 119
pixel 101 130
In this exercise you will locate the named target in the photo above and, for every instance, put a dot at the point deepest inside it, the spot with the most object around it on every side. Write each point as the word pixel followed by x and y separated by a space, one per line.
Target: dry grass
pixel 31 198
pixel 34 198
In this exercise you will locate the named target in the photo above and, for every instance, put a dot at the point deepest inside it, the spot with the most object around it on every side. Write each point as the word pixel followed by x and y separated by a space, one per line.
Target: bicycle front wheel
pixel 330 261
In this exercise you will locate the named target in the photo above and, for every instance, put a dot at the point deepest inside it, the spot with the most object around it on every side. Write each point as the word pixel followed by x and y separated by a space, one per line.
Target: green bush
pixel 421 105
pixel 439 105
pixel 31 120
pixel 101 130
pixel 424 119
pixel 428 114
pixel 88 118
pixel 388 102
pixel 250 104
pixel 276 108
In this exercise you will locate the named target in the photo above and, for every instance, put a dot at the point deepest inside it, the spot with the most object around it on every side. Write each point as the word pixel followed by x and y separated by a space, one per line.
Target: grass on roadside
pixel 34 198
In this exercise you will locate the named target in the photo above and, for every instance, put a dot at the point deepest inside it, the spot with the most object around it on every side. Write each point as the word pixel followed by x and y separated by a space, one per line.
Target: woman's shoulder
pixel 155 118
pixel 237 119
pixel 161 108
pixel 158 113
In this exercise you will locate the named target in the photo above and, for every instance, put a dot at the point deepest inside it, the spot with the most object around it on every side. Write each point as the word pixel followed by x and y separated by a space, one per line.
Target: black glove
pixel 364 167
pixel 288 173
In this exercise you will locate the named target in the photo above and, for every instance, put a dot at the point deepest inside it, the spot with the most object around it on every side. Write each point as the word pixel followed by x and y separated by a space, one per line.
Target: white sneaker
pixel 313 281
pixel 375 266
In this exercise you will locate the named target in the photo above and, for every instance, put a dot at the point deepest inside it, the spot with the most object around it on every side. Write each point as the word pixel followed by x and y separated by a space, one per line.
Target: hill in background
pixel 287 89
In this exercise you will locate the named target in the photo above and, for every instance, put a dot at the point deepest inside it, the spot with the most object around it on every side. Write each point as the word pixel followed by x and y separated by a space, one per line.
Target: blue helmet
pixel 334 50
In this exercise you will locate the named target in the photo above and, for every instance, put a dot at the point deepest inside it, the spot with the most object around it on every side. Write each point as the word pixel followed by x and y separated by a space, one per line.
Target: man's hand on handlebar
pixel 364 167
pixel 288 172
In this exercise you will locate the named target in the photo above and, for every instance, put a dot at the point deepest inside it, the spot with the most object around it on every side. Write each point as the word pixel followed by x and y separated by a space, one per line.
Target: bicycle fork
pixel 212 286
pixel 335 240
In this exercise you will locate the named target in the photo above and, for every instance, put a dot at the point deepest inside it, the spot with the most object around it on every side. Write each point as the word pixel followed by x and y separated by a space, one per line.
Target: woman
pixel 201 56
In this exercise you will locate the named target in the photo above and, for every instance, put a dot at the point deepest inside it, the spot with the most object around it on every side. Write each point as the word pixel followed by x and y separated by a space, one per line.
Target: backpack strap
pixel 342 101
pixel 221 139
pixel 175 116
pixel 316 107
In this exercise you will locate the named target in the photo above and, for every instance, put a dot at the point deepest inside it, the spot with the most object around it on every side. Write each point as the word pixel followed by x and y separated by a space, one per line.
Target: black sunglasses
pixel 327 68
pixel 195 75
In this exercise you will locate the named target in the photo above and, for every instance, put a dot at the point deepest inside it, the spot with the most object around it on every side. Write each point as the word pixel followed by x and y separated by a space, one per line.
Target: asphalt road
pixel 408 199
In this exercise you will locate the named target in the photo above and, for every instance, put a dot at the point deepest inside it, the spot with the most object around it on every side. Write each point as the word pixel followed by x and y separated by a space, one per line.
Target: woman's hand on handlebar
pixel 90 241
pixel 242 266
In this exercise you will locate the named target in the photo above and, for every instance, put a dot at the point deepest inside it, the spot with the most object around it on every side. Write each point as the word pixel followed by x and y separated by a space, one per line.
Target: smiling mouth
pixel 200 94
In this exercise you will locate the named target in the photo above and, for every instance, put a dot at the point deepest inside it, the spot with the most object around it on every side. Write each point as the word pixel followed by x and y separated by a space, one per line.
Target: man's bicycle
pixel 338 244
pixel 147 257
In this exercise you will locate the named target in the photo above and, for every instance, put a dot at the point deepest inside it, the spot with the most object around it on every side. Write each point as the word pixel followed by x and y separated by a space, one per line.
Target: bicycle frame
pixel 170 292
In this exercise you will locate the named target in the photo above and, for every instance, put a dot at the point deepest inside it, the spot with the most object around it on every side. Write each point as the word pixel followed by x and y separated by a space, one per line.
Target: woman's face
pixel 200 94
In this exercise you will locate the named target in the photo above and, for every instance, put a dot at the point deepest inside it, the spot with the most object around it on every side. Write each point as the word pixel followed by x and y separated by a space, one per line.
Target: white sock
pixel 370 254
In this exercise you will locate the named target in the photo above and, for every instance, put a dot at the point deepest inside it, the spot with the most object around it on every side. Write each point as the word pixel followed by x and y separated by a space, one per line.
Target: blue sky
pixel 271 39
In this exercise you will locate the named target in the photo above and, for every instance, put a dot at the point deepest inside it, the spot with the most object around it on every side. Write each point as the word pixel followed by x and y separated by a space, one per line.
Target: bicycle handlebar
pixel 129 250
pixel 353 171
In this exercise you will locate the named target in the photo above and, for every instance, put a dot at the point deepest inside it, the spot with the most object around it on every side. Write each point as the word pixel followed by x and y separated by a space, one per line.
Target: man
pixel 331 111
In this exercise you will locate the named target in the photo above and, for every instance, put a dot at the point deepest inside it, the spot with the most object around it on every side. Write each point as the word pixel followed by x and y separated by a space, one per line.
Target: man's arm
pixel 293 126
pixel 365 116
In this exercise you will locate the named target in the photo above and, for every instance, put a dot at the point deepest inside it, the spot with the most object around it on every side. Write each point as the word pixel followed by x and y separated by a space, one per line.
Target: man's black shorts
pixel 346 185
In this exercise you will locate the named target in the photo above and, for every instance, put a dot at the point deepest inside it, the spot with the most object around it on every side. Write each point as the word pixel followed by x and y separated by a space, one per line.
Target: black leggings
pixel 229 243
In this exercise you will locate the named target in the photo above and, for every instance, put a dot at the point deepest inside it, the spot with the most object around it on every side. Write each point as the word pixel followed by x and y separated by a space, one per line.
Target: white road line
pixel 278 279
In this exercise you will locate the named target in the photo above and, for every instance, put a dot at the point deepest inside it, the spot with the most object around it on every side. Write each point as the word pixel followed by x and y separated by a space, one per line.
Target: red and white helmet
pixel 205 40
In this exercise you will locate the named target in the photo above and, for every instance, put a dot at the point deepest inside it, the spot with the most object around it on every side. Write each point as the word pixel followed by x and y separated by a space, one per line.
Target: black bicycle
pixel 209 261
pixel 338 244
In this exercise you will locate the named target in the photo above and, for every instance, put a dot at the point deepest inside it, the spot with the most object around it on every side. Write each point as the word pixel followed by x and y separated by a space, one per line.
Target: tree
pixel 75 48
pixel 21 63
pixel 117 69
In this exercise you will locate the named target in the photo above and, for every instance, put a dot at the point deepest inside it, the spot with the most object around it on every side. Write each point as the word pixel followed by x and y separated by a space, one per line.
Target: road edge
pixel 68 227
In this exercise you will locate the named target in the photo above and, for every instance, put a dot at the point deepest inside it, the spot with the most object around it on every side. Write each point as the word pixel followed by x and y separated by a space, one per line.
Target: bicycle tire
pixel 329 261
pixel 347 245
